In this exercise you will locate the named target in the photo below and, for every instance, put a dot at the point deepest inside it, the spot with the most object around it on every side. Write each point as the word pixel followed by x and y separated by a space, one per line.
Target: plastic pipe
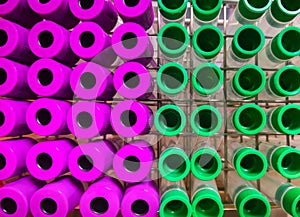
pixel 49 78
pixel 140 200
pixel 103 198
pixel 136 11
pixel 57 199
pixel 48 160
pixel 13 80
pixel 89 119
pixel 285 119
pixel 13 118
pixel 48 117
pixel 50 40
pixel 133 162
pixel 13 42
pixel 55 10
pixel 13 156
pixel 131 42
pixel 247 199
pixel 206 12
pixel 15 197
pixel 174 11
pixel 89 161
pixel 132 80
pixel 130 118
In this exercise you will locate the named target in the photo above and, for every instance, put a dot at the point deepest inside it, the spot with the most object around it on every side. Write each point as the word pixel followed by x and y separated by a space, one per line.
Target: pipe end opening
pixel 87 39
pixel 43 116
pixel 175 208
pixel 45 39
pixel 45 77
pixel 85 163
pixel 2 161
pixel 86 4
pixel 128 118
pixel 48 206
pixel 44 161
pixel 3 37
pixel 131 80
pixel 255 207
pixel 140 207
pixel 99 205
pixel 2 118
pixel 8 205
pixel 207 208
pixel 132 163
pixel 88 80
pixel 172 77
pixel 3 75
pixel 129 40
pixel 84 120
pixel 252 164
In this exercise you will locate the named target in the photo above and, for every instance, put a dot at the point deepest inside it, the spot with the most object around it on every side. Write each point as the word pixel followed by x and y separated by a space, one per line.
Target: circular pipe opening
pixel 128 118
pixel 88 80
pixel 45 39
pixel 44 1
pixel 131 3
pixel 86 4
pixel 45 77
pixel 99 205
pixel 289 80
pixel 85 163
pixel 44 161
pixel 208 78
pixel 172 77
pixel 206 120
pixel 129 40
pixel 84 120
pixel 207 208
pixel 8 205
pixel 208 40
pixel 2 161
pixel 86 39
pixel 255 207
pixel 3 75
pixel 252 165
pixel 132 163
pixel 170 119
pixel 290 163
pixel 175 208
pixel 249 39
pixel 140 207
pixel 3 1
pixel 131 80
pixel 43 116
pixel 3 37
pixel 175 165
pixel 258 4
pixel 250 79
pixel 250 118
pixel 207 164
pixel 291 41
pixel 291 5
pixel 48 206
pixel 2 118
pixel 173 37
pixel 298 208
pixel 207 5
pixel 291 119
pixel 173 4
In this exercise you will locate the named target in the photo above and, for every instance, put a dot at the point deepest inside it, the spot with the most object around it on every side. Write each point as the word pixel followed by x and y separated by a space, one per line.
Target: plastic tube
pixel 130 118
pixel 49 40
pixel 285 119
pixel 132 80
pixel 206 12
pixel 89 119
pixel 13 156
pixel 103 198
pixel 13 118
pixel 48 117
pixel 89 161
pixel 92 81
pixel 13 42
pixel 248 200
pixel 136 11
pixel 48 160
pixel 13 80
pixel 131 42
pixel 174 11
pixel 49 78
pixel 15 197
pixel 57 199
pixel 140 200
pixel 55 10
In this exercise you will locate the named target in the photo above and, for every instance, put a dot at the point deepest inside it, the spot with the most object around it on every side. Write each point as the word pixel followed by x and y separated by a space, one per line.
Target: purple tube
pixel 15 197
pixel 13 42
pixel 131 42
pixel 103 198
pixel 102 12
pixel 49 78
pixel 55 10
pixel 48 117
pixel 92 81
pixel 130 118
pixel 56 199
pixel 13 156
pixel 138 11
pixel 133 162
pixel 89 161
pixel 48 160
pixel 13 118
pixel 50 40
pixel 13 80
pixel 89 41
pixel 140 200
pixel 133 80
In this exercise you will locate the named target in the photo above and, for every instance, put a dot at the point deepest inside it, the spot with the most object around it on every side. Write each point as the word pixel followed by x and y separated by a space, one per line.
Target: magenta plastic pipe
pixel 132 80
pixel 56 199
pixel 18 11
pixel 89 119
pixel 103 198
pixel 48 160
pixel 89 161
pixel 55 10
pixel 50 40
pixel 48 117
pixel 13 80
pixel 49 78
pixel 15 197
pixel 133 162
pixel 137 11
pixel 13 118
pixel 140 200
pixel 13 156
pixel 14 42
pixel 131 42
pixel 92 81
pixel 101 12
pixel 130 118
pixel 91 43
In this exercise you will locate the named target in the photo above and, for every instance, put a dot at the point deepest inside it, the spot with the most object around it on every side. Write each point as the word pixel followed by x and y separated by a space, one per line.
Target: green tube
pixel 249 119
pixel 172 78
pixel 169 120
pixel 206 120
pixel 207 41
pixel 174 164
pixel 253 9
pixel 206 11
pixel 207 79
pixel 172 10
pixel 206 164
pixel 285 11
pixel 286 119
pixel 173 40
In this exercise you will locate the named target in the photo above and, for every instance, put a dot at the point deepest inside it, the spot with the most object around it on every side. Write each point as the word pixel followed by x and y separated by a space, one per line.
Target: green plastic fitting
pixel 172 10
pixel 206 11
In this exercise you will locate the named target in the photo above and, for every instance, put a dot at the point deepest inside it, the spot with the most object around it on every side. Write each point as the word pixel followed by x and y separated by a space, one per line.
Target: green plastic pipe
pixel 206 11
pixel 172 10
pixel 253 9
pixel 284 11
